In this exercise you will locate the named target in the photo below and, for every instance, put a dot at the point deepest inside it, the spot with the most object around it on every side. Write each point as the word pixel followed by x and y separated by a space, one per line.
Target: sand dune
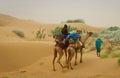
pixel 14 55
pixel 92 67
pixel 29 28
pixel 26 58
pixel 6 19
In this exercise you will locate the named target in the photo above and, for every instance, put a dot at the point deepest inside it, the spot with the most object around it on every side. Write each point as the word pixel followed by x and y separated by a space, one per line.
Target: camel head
pixel 89 34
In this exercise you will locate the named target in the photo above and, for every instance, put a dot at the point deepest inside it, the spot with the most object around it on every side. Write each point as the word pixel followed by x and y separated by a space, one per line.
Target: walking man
pixel 98 43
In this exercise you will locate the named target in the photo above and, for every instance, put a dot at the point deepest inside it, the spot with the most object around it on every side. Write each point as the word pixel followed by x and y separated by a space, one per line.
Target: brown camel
pixel 60 52
pixel 58 49
pixel 72 48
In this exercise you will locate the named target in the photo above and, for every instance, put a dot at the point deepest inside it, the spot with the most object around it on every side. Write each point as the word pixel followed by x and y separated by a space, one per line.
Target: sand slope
pixel 29 28
pixel 14 55
pixel 92 67
pixel 26 58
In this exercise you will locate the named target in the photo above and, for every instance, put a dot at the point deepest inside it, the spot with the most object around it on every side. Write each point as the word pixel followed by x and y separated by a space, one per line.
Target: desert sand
pixel 26 58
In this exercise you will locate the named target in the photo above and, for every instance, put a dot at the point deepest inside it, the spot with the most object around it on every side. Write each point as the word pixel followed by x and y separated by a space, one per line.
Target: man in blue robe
pixel 98 43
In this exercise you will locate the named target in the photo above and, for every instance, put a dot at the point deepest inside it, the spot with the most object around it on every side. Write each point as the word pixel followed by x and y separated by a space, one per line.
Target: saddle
pixel 59 41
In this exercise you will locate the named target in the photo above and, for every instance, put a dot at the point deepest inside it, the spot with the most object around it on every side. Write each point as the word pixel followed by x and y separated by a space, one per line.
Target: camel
pixel 60 52
pixel 73 49
pixel 58 49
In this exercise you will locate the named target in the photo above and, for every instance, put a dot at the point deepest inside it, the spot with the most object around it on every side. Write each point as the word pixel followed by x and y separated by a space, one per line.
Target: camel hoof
pixel 66 62
pixel 80 61
pixel 75 64
pixel 72 68
pixel 54 69
pixel 65 66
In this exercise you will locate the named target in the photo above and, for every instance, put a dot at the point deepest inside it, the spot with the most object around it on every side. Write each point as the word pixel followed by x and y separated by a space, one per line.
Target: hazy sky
pixel 93 12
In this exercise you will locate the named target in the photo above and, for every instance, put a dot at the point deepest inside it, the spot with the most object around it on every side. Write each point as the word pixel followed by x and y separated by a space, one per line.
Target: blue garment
pixel 98 44
pixel 75 36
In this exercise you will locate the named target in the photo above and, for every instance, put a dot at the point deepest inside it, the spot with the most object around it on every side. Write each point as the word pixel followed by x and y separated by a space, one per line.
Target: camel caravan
pixel 68 44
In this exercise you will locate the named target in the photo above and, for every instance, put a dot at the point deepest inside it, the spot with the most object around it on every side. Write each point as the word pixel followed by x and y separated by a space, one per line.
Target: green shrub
pixel 83 30
pixel 69 21
pixel 112 33
pixel 5 77
pixel 108 48
pixel 58 29
pixel 104 55
pixel 41 62
pixel 71 28
pixel 115 54
pixel 49 35
pixel 40 34
pixel 96 34
pixel 114 28
pixel 119 60
pixel 19 33
pixel 75 21
pixel 117 36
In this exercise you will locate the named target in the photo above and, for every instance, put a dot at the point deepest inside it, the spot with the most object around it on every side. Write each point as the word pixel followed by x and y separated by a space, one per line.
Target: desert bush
pixel 119 60
pixel 75 21
pixel 96 34
pixel 114 28
pixel 111 33
pixel 5 77
pixel 108 47
pixel 92 49
pixel 71 28
pixel 69 21
pixel 40 34
pixel 115 54
pixel 117 47
pixel 19 33
pixel 50 35
pixel 117 36
pixel 58 29
pixel 104 55
pixel 106 36
pixel 83 30
pixel 41 63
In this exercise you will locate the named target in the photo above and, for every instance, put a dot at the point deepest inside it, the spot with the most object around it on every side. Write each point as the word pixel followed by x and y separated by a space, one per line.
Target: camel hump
pixel 59 37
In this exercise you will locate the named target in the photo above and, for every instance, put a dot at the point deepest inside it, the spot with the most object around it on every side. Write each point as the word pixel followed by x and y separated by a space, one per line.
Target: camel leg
pixel 65 55
pixel 70 61
pixel 71 54
pixel 60 51
pixel 55 55
pixel 71 66
pixel 81 55
pixel 75 57
pixel 68 66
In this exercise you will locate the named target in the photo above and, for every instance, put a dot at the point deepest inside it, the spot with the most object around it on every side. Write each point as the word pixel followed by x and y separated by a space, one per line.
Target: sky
pixel 93 12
